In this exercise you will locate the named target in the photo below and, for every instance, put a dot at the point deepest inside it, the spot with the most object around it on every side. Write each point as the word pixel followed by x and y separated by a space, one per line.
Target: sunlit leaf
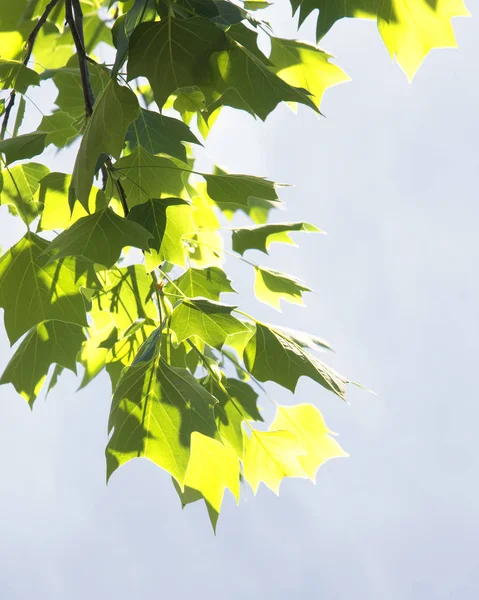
pixel 23 146
pixel 19 185
pixel 51 342
pixel 307 423
pixel 272 286
pixel 262 236
pixel 155 409
pixel 209 283
pixel 99 238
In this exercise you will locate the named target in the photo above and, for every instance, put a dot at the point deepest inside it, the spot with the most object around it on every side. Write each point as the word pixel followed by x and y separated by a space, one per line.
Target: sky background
pixel 392 175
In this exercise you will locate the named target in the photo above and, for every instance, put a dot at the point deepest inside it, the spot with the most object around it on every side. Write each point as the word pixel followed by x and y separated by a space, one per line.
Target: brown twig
pixel 28 53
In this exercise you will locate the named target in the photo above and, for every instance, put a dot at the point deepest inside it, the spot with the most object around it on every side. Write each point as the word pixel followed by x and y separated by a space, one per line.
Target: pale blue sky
pixel 392 176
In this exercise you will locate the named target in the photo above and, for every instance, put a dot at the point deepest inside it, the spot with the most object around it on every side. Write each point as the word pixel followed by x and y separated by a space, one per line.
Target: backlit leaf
pixel 15 75
pixel 23 146
pixel 272 286
pixel 208 283
pixel 155 409
pixel 270 456
pixel 307 423
pixel 33 289
pixel 211 321
pixel 51 342
pixel 262 236
pixel 19 186
pixel 99 238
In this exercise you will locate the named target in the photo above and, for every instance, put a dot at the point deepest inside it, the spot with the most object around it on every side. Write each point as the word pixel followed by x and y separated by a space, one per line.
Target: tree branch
pixel 28 53
pixel 74 18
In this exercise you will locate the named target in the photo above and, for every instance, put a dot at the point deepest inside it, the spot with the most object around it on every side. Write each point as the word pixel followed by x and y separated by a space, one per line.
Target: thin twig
pixel 28 53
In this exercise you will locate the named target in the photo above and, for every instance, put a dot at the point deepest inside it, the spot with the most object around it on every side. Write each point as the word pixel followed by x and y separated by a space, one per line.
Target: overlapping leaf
pixel 33 289
pixel 18 187
pixel 105 133
pixel 23 146
pixel 272 356
pixel 99 238
pixel 155 409
pixel 50 342
pixel 211 321
pixel 208 283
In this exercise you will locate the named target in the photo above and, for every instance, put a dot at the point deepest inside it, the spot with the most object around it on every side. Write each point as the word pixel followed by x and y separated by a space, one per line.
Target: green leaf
pixel 141 11
pixel 33 290
pixel 105 133
pixel 242 192
pixel 126 296
pixel 233 408
pixel 23 146
pixel 189 495
pixel 94 352
pixel 271 287
pixel 256 4
pixel 211 321
pixel 99 238
pixel 19 186
pixel 409 29
pixel 60 129
pixel 305 340
pixel 305 66
pixel 272 356
pixel 167 220
pixel 68 82
pixel 209 283
pixel 243 68
pixel 155 409
pixel 51 342
pixel 159 134
pixel 212 468
pixel 173 53
pixel 14 74
pixel 306 422
pixel 53 194
pixel 261 237
pixel 145 176
pixel 270 456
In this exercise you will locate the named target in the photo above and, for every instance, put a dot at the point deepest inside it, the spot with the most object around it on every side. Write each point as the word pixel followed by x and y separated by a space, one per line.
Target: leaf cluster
pixel 121 268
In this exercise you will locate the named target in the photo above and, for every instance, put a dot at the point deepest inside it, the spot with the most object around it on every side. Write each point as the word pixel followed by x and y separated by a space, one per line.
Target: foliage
pixel 121 267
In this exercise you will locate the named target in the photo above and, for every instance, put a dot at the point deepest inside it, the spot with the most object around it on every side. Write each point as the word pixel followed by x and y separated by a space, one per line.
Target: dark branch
pixel 74 18
pixel 28 53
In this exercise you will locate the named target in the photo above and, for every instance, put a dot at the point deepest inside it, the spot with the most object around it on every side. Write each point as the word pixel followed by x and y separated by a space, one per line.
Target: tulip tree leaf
pixel 23 146
pixel 210 321
pixel 270 456
pixel 236 404
pixel 59 128
pixel 159 134
pixel 50 342
pixel 212 468
pixel 260 237
pixel 126 295
pixel 409 30
pixel 303 65
pixel 53 195
pixel 173 53
pixel 105 133
pixel 167 220
pixel 272 286
pixel 155 409
pixel 14 74
pixel 99 238
pixel 306 422
pixel 240 192
pixel 208 283
pixel 19 185
pixel 46 289
pixel 145 176
pixel 272 356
